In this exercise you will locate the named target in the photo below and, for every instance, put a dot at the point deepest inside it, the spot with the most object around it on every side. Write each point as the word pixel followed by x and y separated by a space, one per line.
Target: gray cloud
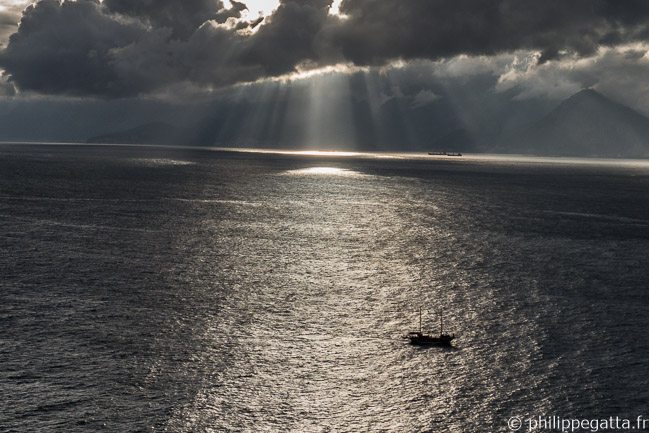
pixel 289 37
pixel 125 48
pixel 8 23
pixel 378 30
pixel 64 48
pixel 182 17
pixel 618 73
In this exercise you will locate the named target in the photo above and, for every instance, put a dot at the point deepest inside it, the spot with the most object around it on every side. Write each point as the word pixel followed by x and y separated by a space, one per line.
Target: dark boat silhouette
pixel 418 338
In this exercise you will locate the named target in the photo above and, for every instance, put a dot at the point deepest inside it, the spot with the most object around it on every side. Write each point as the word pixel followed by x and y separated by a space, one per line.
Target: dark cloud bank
pixel 135 71
pixel 122 48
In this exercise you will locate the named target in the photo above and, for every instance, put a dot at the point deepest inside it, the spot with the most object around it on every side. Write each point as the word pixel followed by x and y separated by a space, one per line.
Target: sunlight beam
pixel 330 115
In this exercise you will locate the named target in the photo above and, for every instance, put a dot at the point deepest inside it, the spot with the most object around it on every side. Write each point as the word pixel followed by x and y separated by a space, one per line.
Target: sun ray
pixel 374 98
pixel 329 123
pixel 404 123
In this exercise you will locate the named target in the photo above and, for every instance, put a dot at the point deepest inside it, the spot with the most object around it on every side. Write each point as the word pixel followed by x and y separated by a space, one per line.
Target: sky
pixel 327 63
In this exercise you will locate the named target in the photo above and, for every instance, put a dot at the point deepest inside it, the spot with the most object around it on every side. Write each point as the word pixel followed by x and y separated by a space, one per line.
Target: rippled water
pixel 181 290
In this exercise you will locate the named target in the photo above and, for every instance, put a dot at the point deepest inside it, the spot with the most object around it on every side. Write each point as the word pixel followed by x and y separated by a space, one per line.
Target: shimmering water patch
pixel 323 171
pixel 238 296
pixel 157 162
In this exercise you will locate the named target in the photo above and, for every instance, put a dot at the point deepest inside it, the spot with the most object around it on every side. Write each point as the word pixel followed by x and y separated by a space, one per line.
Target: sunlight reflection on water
pixel 158 162
pixel 257 293
pixel 324 171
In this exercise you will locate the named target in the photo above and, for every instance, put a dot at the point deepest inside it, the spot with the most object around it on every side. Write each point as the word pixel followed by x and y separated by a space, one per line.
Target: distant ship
pixel 418 338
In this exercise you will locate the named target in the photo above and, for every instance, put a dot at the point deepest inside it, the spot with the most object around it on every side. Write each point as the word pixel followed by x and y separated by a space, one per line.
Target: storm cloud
pixel 126 48
pixel 64 48
pixel 182 17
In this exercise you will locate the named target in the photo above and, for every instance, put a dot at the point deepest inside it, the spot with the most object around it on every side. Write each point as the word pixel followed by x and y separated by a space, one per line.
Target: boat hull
pixel 419 339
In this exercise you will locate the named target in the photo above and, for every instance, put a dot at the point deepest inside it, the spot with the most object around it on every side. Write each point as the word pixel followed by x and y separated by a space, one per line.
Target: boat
pixel 453 154
pixel 418 338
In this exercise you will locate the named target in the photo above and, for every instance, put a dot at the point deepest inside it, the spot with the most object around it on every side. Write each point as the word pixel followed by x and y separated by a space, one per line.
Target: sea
pixel 159 289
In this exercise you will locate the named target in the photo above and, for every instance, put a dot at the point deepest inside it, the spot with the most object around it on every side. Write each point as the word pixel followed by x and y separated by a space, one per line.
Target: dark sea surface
pixel 185 290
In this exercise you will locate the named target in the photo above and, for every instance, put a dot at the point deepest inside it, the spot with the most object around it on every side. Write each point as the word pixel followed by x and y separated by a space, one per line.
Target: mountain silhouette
pixel 587 124
pixel 149 133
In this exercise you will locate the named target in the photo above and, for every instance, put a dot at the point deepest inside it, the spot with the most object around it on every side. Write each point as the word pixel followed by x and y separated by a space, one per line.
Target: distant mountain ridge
pixel 148 133
pixel 200 133
pixel 587 124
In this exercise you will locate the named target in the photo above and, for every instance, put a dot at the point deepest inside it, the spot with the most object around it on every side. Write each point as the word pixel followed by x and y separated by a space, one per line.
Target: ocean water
pixel 185 290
